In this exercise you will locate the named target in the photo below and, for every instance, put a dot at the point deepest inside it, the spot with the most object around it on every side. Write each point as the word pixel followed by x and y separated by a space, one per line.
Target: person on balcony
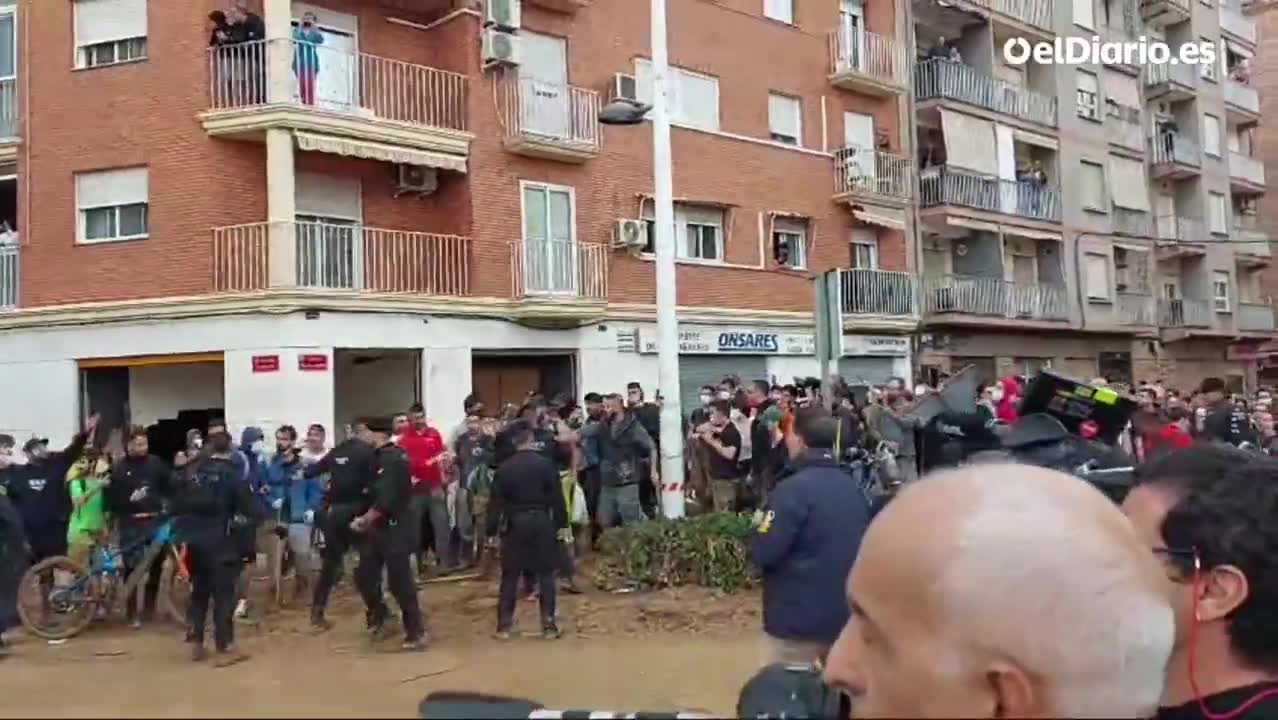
pixel 248 30
pixel 306 65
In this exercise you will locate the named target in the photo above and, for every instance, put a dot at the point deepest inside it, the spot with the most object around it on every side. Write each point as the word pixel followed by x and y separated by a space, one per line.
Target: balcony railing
pixel 1235 23
pixel 556 114
pixel 559 268
pixel 1174 148
pixel 1136 309
pixel 1246 168
pixel 348 83
pixel 9 108
pixel 1243 97
pixel 1252 238
pixel 859 170
pixel 954 186
pixel 8 277
pixel 1184 313
pixel 1180 229
pixel 1031 12
pixel 878 292
pixel 1254 317
pixel 1123 127
pixel 994 297
pixel 1133 223
pixel 874 56
pixel 944 79
pixel 344 257
pixel 1178 74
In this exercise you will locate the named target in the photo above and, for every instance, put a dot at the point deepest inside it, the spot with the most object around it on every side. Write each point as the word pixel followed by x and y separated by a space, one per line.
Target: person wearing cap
pixel 1224 422
pixel 388 538
pixel 38 490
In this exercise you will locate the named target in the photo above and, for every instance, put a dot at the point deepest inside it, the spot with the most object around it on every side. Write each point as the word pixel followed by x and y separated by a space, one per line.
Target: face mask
pixel 197 442
pixel 705 399
pixel 725 395
pixel 258 447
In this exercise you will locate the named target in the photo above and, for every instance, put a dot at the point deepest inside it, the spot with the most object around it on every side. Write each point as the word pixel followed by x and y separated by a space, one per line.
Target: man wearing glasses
pixel 1210 513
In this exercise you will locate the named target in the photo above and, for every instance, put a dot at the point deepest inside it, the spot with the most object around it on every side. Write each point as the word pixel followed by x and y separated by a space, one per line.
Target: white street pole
pixel 664 249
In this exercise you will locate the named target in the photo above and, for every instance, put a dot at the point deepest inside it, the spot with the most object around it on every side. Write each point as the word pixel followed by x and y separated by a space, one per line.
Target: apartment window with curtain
pixel 698 231
pixel 109 31
pixel 1211 135
pixel 781 10
pixel 694 97
pixel 112 205
pixel 1220 291
pixel 1217 213
pixel 1088 96
pixel 1095 196
pixel 1096 278
pixel 865 250
pixel 785 119
pixel 328 214
pixel 789 242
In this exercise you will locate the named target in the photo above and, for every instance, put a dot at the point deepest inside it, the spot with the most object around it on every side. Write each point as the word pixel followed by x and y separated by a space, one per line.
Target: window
pixel 1097 276
pixel 1207 70
pixel 1085 14
pixel 329 251
pixel 1216 213
pixel 789 243
pixel 1093 182
pixel 1088 96
pixel 550 262
pixel 785 119
pixel 782 10
pixel 694 98
pixel 1211 135
pixel 109 31
pixel 865 250
pixel 1131 271
pixel 1220 290
pixel 698 231
pixel 112 205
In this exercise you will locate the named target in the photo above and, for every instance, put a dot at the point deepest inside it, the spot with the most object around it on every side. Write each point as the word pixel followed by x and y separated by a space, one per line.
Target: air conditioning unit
pixel 631 235
pixel 624 87
pixel 500 47
pixel 503 14
pixel 416 180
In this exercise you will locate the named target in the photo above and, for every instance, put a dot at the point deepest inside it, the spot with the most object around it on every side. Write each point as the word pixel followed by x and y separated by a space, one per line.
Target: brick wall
pixel 1264 77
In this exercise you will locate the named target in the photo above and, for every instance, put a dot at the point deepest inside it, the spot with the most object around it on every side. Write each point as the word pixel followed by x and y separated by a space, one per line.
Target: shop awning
pixel 969 142
pixel 972 224
pixel 149 360
pixel 884 217
pixel 1030 138
pixel 334 145
pixel 1032 234
pixel 1127 184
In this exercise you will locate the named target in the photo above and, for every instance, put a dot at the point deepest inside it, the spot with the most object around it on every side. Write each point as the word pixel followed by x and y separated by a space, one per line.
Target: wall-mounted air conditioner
pixel 504 14
pixel 624 87
pixel 416 180
pixel 631 235
pixel 500 47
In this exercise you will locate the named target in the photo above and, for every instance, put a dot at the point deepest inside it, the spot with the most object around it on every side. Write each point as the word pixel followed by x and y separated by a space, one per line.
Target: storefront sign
pixel 266 363
pixel 735 341
pixel 880 345
pixel 312 363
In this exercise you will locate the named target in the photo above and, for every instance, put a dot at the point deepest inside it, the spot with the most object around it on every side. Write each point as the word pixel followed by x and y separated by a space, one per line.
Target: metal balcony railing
pixel 878 292
pixel 853 50
pixel 559 268
pixel 1243 97
pixel 1234 22
pixel 1254 317
pixel 944 79
pixel 8 277
pixel 1174 148
pixel 1251 236
pixel 1031 12
pixel 9 116
pixel 331 80
pixel 344 257
pixel 1184 313
pixel 555 114
pixel 859 170
pixel 1133 223
pixel 1178 74
pixel 1246 168
pixel 954 186
pixel 1180 229
pixel 994 297
pixel 1136 309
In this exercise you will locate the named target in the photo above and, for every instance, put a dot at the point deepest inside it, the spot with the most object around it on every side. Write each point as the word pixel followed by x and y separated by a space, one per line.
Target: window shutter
pixel 1097 276
pixel 327 196
pixel 698 99
pixel 111 187
pixel 1127 184
pixel 1216 209
pixel 99 21
pixel 783 116
pixel 1211 134
pixel 1122 89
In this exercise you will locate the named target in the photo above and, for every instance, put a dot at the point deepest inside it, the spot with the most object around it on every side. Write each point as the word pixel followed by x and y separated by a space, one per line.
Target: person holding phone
pixel 306 65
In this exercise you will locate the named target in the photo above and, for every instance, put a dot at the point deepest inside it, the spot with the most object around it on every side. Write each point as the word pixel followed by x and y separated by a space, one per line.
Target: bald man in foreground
pixel 1003 591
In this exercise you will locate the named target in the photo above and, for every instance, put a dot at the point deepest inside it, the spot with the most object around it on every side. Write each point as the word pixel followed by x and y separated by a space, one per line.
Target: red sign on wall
pixel 266 363
pixel 312 363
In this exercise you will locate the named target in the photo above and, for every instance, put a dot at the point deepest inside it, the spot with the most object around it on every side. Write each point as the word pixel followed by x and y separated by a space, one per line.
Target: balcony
pixel 868 63
pixel 1170 83
pixel 869 174
pixel 994 297
pixel 1242 103
pixel 339 258
pixel 1135 309
pixel 885 294
pixel 559 280
pixel 8 277
pixel 944 80
pixel 1174 157
pixel 1132 223
pixel 1254 317
pixel 1246 174
pixel 1034 13
pixel 1123 128
pixel 1252 241
pixel 1185 313
pixel 1235 25
pixel 9 120
pixel 1179 236
pixel 355 104
pixel 955 186
pixel 1163 13
pixel 556 122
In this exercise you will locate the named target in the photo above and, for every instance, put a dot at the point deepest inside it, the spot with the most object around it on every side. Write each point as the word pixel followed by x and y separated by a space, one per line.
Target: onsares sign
pixel 736 341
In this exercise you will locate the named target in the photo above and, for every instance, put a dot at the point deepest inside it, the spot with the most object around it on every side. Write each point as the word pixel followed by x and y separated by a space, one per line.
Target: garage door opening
pixel 370 382
pixel 500 380
pixel 168 395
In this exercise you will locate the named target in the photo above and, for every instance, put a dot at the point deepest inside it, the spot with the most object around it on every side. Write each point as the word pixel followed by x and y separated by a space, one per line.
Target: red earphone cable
pixel 1193 651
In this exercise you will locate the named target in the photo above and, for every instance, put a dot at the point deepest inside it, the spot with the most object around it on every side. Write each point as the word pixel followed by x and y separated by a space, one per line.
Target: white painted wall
pixel 39 398
pixel 607 371
pixel 286 397
pixel 382 387
pixel 446 381
pixel 783 369
pixel 161 391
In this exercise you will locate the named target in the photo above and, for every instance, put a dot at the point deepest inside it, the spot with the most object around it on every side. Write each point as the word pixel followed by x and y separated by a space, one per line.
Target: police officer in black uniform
pixel 388 538
pixel 349 467
pixel 211 503
pixel 527 509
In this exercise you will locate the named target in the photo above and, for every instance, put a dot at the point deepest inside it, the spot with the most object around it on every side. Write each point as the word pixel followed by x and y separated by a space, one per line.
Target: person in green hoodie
pixel 86 480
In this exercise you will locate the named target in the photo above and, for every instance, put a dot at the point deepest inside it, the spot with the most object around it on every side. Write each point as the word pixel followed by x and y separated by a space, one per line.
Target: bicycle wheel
pixel 54 599
pixel 175 589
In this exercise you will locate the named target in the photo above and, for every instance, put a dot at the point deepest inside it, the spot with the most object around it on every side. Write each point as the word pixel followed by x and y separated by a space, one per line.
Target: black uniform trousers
pixel 528 547
pixel 335 523
pixel 389 549
pixel 214 571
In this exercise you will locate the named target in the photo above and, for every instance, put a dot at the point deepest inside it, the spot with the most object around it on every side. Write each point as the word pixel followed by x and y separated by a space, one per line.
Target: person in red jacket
pixel 1159 435
pixel 427 455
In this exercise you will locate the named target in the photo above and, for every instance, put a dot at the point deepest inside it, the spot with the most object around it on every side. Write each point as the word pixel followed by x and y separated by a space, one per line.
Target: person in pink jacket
pixel 1006 409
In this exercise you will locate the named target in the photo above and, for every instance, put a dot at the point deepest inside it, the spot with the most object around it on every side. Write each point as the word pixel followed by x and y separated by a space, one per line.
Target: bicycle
pixel 71 596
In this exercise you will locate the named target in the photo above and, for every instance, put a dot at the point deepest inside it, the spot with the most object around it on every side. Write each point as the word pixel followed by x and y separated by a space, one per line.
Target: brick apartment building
pixel 1264 76
pixel 197 230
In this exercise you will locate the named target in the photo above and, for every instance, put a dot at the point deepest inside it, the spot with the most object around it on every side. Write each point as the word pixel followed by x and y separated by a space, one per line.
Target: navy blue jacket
pixel 805 548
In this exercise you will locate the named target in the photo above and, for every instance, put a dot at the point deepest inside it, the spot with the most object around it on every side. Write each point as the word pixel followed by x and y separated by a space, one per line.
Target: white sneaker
pixel 241 609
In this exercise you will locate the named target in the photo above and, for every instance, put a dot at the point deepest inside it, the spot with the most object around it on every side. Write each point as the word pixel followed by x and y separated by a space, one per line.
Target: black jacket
pixel 649 416
pixel 763 457
pixel 526 481
pixel 207 500
pixel 349 467
pixel 391 486
pixel 1225 423
pixel 136 473
pixel 252 28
